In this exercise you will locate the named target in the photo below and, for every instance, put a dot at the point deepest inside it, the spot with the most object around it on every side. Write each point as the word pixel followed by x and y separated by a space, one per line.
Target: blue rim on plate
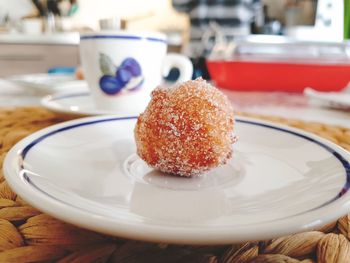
pixel 344 162
pixel 153 39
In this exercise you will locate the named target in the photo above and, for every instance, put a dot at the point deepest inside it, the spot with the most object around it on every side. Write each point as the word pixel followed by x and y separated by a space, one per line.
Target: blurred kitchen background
pixel 43 36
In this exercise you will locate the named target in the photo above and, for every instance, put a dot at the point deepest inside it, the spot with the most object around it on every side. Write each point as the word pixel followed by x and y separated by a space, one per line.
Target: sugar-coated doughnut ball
pixel 186 129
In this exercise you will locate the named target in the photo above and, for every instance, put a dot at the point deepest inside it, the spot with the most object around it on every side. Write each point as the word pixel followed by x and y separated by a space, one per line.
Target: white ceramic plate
pixel 78 103
pixel 280 181
pixel 48 83
pixel 337 100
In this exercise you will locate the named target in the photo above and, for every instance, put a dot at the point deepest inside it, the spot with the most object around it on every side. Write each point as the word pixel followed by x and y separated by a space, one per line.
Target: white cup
pixel 122 68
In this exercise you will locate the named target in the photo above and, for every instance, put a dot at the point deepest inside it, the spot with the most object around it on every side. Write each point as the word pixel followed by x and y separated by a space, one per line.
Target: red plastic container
pixel 277 63
pixel 279 76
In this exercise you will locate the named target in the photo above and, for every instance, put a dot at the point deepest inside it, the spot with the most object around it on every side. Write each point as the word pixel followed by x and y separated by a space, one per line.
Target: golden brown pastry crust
pixel 186 129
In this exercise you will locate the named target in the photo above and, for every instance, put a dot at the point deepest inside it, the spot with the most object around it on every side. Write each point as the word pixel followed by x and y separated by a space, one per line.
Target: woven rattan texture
pixel 27 235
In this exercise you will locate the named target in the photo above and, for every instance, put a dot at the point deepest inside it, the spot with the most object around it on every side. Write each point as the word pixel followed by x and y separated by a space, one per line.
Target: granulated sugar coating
pixel 186 129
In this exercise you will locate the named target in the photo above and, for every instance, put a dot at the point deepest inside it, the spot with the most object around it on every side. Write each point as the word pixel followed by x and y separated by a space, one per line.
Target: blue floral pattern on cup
pixel 128 76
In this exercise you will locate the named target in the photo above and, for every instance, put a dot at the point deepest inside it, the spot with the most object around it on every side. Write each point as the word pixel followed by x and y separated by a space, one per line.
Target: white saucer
pixel 337 100
pixel 280 181
pixel 79 103
pixel 48 83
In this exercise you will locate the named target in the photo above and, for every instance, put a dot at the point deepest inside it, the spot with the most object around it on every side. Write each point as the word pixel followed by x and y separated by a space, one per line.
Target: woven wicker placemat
pixel 27 235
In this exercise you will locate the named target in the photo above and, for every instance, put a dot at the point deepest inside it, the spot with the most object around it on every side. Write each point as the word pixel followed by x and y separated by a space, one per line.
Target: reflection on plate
pixel 280 181
pixel 337 100
pixel 48 83
pixel 79 103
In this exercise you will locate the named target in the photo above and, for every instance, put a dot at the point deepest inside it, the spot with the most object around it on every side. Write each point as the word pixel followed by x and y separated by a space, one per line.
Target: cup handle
pixel 181 62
